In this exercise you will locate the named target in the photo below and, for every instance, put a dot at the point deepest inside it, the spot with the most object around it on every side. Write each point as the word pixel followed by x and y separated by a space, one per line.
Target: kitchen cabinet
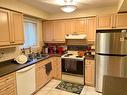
pixel 89 72
pixel 58 31
pixel 54 31
pixel 112 21
pixel 73 26
pixel 121 20
pixel 80 26
pixel 11 25
pixel 105 21
pixel 8 84
pixel 17 35
pixel 48 30
pixel 57 68
pixel 4 27
pixel 91 28
pixel 41 77
pixel 69 26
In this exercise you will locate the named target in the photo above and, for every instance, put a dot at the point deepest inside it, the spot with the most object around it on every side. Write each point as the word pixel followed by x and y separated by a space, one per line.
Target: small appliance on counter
pixel 51 50
pixel 54 49
pixel 60 50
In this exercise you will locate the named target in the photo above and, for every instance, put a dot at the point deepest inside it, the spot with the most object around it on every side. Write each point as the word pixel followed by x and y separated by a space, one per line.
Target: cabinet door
pixel 8 85
pixel 104 21
pixel 80 26
pixel 4 28
pixel 57 67
pixel 121 20
pixel 48 29
pixel 58 30
pixel 17 28
pixel 91 28
pixel 89 72
pixel 59 76
pixel 69 26
pixel 41 77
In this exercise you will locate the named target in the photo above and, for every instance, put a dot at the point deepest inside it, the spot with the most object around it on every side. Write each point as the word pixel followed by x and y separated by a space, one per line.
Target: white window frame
pixel 28 19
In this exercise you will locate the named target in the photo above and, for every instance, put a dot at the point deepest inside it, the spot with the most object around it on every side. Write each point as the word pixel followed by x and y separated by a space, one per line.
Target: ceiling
pixel 53 6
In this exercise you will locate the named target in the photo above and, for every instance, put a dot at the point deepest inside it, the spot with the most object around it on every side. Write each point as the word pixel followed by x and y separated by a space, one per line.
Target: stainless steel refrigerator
pixel 111 55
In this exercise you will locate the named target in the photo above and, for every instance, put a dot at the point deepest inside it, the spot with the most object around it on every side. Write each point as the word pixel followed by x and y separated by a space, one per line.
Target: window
pixel 30 33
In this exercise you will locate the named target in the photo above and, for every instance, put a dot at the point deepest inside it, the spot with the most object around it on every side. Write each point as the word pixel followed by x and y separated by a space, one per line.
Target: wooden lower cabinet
pixel 89 72
pixel 41 77
pixel 57 68
pixel 8 85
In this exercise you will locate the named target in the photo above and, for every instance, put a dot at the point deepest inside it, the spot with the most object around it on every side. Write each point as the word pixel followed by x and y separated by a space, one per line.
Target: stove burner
pixel 79 56
pixel 67 55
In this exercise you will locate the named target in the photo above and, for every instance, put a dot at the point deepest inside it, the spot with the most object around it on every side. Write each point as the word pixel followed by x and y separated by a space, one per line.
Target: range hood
pixel 75 36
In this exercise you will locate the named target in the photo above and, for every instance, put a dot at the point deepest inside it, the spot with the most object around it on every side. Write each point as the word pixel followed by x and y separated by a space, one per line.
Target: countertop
pixel 11 66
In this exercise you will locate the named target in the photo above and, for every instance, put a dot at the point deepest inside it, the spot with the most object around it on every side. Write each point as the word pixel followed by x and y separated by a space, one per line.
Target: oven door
pixel 72 66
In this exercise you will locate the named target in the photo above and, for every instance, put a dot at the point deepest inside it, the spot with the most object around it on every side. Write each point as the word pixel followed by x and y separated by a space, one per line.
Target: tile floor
pixel 49 89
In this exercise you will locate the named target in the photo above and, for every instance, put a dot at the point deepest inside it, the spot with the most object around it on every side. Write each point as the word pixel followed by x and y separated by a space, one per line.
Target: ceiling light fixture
pixel 68 8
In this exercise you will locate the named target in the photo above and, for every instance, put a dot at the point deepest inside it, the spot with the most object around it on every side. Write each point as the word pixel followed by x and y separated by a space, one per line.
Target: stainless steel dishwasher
pixel 25 79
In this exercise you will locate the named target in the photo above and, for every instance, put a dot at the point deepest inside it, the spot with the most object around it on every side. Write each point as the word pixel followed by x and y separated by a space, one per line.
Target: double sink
pixel 32 57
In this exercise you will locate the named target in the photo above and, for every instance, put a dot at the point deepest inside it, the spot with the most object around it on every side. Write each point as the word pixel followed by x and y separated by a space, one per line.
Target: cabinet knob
pixel 43 67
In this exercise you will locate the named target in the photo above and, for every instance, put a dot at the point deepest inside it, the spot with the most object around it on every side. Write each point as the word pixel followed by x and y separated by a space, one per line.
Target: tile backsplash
pixel 13 52
pixel 9 53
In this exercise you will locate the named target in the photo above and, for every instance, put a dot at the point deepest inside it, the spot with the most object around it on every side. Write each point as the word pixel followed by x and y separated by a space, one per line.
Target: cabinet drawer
pixel 3 92
pixel 7 84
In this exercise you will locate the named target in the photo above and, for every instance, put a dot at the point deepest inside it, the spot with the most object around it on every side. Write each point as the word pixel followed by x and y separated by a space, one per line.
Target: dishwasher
pixel 25 79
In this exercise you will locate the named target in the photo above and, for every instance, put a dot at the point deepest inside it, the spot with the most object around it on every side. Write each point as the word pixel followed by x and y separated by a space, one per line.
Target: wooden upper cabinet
pixel 112 21
pixel 104 21
pixel 48 30
pixel 91 28
pixel 121 20
pixel 69 26
pixel 17 28
pixel 54 31
pixel 80 26
pixel 58 31
pixel 4 28
pixel 11 25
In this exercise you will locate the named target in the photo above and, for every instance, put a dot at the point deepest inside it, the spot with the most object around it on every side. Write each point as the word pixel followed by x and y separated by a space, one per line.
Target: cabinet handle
pixel 43 67
pixel 12 42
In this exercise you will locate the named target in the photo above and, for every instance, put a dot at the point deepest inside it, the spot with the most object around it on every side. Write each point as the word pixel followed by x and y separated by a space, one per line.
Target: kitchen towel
pixel 48 67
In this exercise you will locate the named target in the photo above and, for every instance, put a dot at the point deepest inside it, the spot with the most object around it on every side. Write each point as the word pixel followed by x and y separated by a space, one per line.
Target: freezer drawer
pixel 111 42
pixel 109 65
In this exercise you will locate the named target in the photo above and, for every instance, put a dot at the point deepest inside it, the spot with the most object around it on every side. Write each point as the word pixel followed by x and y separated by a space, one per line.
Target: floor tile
pixel 53 83
pixel 50 89
pixel 43 91
pixel 83 90
pixel 65 93
pixel 54 92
